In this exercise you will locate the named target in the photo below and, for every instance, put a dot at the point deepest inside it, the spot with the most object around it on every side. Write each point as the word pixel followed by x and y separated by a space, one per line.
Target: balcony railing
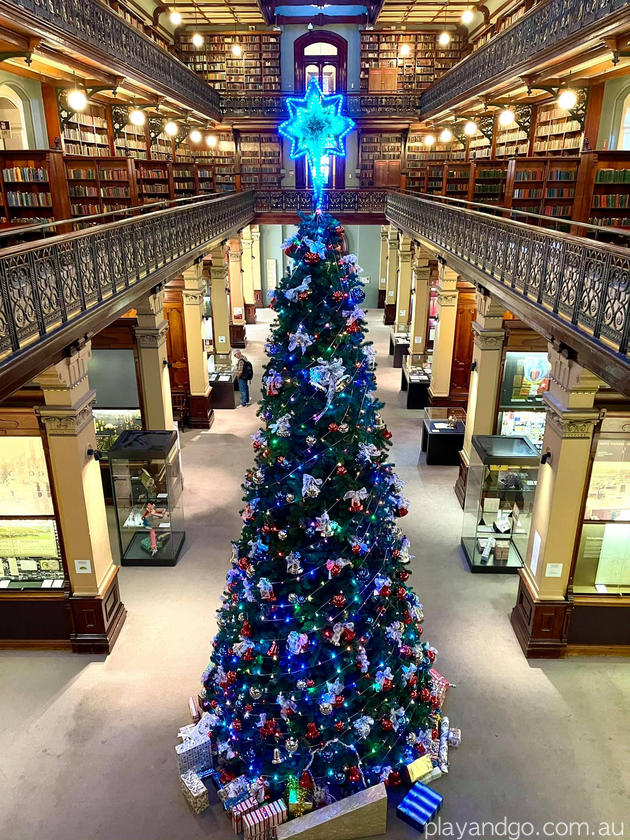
pixel 335 201
pixel 48 285
pixel 545 27
pixel 357 104
pixel 81 23
pixel 581 284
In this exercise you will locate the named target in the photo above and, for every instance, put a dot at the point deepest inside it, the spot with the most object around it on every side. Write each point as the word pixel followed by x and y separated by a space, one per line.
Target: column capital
pixel 68 373
pixel 447 278
pixel 392 236
pixel 192 297
pixel 447 298
pixel 65 421
pixel 486 339
pixel 151 304
pixel 569 423
pixel 255 231
pixel 152 337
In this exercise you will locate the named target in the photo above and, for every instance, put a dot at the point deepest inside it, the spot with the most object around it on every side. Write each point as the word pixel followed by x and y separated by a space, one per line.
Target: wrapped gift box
pixel 243 807
pixel 440 685
pixel 194 791
pixel 257 824
pixel 454 737
pixel 420 768
pixel 419 806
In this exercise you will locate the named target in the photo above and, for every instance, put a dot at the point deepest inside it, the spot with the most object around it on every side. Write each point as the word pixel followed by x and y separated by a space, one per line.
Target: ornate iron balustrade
pixel 583 283
pixel 48 284
pixel 88 22
pixel 546 26
pixel 358 104
pixel 335 201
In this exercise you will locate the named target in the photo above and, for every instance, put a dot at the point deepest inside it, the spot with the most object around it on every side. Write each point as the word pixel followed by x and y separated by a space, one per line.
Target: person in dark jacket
pixel 242 366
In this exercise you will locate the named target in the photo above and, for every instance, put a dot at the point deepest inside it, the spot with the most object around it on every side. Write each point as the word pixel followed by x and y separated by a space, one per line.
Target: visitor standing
pixel 244 373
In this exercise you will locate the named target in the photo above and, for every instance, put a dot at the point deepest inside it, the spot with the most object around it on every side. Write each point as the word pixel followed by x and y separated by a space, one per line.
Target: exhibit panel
pixel 501 484
pixel 524 381
pixel 113 375
pixel 147 486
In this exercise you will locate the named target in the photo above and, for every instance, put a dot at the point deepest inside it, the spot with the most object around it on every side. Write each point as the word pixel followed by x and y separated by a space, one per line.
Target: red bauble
pixel 339 601
pixel 341 470
pixel 387 434
pixel 353 774
pixel 413 694
pixel 339 726
pixel 243 563
pixel 402 574
pixel 355 506
pixel 249 707
pixel 310 683
pixel 386 724
pixel 337 296
pixel 385 591
pixel 312 731
pixel 387 685
pixel 348 635
pixel 402 511
pixel 311 258
pixel 257 444
pixel 431 655
pixel 248 655
pixel 402 593
pixel 237 725
pixel 353 328
pixel 273 649
pixel 335 570
pixel 425 694
pixel 302 295
pixel 435 702
pixel 339 700
pixel 266 529
pixel 356 548
pixel 230 677
pixel 226 776
pixel 327 633
pixel 405 650
pixel 394 778
pixel 306 780
pixel 435 734
pixel 395 553
pixel 333 427
pixel 246 629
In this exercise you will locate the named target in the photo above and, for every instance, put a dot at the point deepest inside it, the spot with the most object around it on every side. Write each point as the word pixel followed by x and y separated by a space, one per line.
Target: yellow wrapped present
pixel 419 768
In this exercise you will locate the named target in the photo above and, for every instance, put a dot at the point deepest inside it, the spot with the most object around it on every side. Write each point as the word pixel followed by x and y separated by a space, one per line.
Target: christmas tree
pixel 320 680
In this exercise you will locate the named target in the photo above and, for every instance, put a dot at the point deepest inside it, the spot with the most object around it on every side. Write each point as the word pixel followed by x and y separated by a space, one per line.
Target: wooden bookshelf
pixel 161 148
pixel 155 180
pixel 479 147
pixel 378 149
pixel 557 132
pixel 510 141
pixel 224 164
pixel 34 187
pixel 456 182
pixel 87 133
pixel 603 192
pixel 132 142
pixel 184 179
pixel 100 185
pixel 404 61
pixel 435 178
pixel 487 181
pixel 546 186
pixel 256 69
pixel 261 161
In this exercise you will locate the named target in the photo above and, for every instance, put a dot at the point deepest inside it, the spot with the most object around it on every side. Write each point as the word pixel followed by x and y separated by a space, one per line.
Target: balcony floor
pixel 87 742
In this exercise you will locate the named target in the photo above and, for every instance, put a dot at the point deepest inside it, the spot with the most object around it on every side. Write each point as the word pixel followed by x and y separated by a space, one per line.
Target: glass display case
pixel 603 558
pixel 147 491
pixel 443 434
pixel 110 423
pixel 30 553
pixel 521 409
pixel 500 488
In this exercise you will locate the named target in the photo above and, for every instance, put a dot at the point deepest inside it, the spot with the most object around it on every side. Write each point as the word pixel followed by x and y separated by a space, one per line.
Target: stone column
pixel 67 417
pixel 219 303
pixel 382 267
pixel 151 341
pixel 403 291
pixel 237 303
pixel 392 276
pixel 421 279
pixel 444 333
pixel 488 338
pixel 257 265
pixel 540 617
pixel 247 244
pixel 200 415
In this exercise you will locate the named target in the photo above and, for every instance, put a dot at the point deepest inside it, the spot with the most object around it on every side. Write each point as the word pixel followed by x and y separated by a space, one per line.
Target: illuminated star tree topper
pixel 316 128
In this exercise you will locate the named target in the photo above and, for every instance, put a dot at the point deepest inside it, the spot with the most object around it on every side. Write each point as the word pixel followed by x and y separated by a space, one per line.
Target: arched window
pixel 624 127
pixel 322 56
pixel 12 111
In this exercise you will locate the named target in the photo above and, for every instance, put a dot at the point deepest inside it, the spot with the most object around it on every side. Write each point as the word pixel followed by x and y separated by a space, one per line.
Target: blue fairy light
pixel 316 128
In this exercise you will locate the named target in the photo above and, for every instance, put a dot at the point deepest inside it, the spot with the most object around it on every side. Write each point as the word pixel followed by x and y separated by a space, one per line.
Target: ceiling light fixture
pixel 197 39
pixel 567 99
pixel 429 140
pixel 467 16
pixel 175 18
pixel 506 117
pixel 137 117
pixel 446 135
pixel 211 140
pixel 405 50
pixel 445 38
pixel 77 100
pixel 470 128
pixel 195 135
pixel 171 128
pixel 237 50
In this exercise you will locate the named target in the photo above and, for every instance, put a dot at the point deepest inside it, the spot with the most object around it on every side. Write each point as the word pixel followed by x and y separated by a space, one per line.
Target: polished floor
pixel 86 743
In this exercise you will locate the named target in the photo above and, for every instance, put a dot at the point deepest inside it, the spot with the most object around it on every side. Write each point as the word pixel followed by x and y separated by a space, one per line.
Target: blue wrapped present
pixel 419 806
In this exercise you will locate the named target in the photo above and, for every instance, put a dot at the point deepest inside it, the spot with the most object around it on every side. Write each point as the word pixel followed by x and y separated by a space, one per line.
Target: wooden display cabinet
pixel 34 187
pixel 603 193
pixel 100 185
pixel 155 180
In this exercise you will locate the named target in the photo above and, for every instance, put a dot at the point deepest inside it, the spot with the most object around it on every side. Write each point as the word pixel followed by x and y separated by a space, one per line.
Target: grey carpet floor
pixel 86 743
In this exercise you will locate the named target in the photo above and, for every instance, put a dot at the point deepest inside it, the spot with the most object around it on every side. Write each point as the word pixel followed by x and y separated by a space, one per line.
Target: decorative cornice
pixel 151 338
pixel 487 339
pixel 67 374
pixel 446 298
pixel 571 425
pixel 192 297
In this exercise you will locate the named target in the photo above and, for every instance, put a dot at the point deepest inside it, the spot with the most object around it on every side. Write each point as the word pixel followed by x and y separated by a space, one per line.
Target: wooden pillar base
pixel 200 411
pixel 381 299
pixel 97 620
pixel 258 298
pixel 460 484
pixel 250 313
pixel 237 336
pixel 390 314
pixel 541 627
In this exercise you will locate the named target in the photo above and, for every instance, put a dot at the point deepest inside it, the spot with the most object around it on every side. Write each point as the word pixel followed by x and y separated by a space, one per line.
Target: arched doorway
pixel 12 111
pixel 322 56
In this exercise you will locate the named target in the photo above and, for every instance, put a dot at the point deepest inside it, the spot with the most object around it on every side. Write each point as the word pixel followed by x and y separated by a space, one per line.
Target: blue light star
pixel 316 128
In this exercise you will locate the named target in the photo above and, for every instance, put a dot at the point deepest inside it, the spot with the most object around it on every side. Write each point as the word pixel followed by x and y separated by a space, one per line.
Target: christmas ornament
pixel 291 745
